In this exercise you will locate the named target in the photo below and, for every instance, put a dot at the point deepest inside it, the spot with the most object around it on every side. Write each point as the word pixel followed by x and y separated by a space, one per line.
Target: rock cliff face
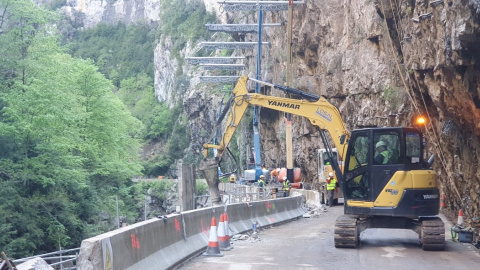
pixel 92 12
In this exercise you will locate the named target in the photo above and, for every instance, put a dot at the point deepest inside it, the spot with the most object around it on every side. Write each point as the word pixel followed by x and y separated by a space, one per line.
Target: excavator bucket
pixel 209 167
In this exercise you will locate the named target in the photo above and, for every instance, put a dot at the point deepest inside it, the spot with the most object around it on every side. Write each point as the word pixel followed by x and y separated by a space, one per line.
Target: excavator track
pixel 432 234
pixel 346 232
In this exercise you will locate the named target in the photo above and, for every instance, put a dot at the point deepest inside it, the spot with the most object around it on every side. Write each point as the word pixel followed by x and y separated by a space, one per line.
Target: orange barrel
pixel 297 174
pixel 281 174
pixel 297 185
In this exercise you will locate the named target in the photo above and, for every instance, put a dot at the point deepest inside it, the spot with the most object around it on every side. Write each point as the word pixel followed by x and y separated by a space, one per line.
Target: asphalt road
pixel 307 243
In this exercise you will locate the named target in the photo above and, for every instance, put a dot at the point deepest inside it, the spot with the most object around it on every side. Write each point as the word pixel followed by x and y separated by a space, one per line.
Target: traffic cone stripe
pixel 223 234
pixel 213 249
pixel 460 217
pixel 227 232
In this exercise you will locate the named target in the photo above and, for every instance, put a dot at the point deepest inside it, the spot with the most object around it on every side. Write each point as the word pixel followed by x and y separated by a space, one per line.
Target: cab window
pixel 387 148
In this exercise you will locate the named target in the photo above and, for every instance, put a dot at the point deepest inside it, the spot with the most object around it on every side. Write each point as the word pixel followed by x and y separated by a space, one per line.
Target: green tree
pixel 66 138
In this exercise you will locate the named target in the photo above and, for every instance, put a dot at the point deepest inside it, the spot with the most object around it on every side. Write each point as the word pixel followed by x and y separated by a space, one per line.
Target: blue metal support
pixel 256 129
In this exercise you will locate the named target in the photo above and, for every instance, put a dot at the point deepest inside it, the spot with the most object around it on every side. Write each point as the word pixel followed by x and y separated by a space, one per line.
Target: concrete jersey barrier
pixel 163 244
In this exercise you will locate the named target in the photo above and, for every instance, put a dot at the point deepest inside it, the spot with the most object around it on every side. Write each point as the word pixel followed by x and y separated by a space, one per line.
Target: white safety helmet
pixel 380 143
pixel 261 176
pixel 330 174
pixel 278 170
pixel 284 178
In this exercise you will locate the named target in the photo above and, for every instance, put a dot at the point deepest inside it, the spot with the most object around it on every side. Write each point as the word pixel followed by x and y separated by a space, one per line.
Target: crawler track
pixel 432 234
pixel 346 232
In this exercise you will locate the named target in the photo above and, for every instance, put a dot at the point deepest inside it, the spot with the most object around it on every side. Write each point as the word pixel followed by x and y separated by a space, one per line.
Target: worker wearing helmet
pixel 286 187
pixel 274 175
pixel 383 156
pixel 331 185
pixel 261 182
pixel 233 178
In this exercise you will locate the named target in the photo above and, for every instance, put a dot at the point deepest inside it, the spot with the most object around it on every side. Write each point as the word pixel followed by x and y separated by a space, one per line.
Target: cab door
pixel 357 176
pixel 386 162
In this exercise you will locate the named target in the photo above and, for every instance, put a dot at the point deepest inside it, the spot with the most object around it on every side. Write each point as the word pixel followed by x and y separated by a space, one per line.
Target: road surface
pixel 307 243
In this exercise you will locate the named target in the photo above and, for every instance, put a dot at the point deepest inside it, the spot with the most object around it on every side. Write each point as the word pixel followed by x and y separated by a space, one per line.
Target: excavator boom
pixel 317 109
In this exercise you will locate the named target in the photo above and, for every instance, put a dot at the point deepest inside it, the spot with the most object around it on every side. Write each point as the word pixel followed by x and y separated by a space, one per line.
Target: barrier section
pixel 163 244
pixel 312 197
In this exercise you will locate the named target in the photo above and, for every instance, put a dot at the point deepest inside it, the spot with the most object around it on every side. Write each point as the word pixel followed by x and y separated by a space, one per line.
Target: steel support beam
pixel 231 45
pixel 238 28
pixel 254 5
pixel 219 79
pixel 212 60
pixel 223 66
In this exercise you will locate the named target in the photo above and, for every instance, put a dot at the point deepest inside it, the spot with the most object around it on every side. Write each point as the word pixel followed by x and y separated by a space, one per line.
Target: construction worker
pixel 331 185
pixel 383 154
pixel 286 187
pixel 274 175
pixel 233 178
pixel 261 182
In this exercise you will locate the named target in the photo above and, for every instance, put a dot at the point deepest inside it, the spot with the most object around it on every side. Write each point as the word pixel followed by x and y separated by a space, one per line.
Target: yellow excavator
pixel 385 180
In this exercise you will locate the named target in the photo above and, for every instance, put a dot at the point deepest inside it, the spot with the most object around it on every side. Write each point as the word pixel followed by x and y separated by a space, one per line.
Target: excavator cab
pixel 384 174
pixel 387 184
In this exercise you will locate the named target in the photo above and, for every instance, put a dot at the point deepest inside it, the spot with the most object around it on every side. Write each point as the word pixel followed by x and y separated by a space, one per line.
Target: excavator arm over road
pixel 317 109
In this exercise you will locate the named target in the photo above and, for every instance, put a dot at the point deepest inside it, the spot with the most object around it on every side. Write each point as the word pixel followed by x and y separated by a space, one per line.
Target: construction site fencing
pixel 62 259
pixel 235 193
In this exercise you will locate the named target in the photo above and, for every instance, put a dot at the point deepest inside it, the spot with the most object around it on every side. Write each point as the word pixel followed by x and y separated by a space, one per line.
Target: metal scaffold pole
pixel 288 131
pixel 256 128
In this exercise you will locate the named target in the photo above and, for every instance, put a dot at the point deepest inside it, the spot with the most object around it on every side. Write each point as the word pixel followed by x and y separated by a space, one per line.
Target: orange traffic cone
pixel 223 241
pixel 213 249
pixel 227 232
pixel 442 202
pixel 460 217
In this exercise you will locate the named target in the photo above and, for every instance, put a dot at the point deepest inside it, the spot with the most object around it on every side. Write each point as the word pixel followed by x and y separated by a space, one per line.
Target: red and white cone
pixel 212 248
pixel 460 217
pixel 222 238
pixel 227 232
pixel 442 202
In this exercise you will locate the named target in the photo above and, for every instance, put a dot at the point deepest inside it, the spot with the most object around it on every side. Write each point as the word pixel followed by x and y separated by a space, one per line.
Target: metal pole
pixel 256 130
pixel 118 218
pixel 288 131
pixel 61 263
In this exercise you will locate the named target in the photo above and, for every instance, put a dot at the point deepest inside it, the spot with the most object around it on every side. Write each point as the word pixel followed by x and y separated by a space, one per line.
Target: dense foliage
pixel 183 22
pixel 121 52
pixel 125 55
pixel 66 138
pixel 73 117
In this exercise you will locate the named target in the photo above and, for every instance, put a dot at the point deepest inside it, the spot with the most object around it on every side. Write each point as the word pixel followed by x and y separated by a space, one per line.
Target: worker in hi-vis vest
pixel 331 185
pixel 286 187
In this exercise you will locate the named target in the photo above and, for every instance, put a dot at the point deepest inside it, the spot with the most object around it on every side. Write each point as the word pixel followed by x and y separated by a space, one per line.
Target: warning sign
pixel 107 254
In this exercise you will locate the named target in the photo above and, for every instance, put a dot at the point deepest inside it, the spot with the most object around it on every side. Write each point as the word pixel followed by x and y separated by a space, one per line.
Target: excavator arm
pixel 317 109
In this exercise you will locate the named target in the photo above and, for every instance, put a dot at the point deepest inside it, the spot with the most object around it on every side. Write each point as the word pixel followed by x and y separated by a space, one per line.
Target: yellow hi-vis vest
pixel 332 184
pixel 386 156
pixel 286 184
pixel 261 183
